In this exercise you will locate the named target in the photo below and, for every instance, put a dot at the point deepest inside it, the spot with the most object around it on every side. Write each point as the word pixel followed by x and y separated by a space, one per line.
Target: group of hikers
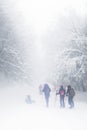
pixel 62 92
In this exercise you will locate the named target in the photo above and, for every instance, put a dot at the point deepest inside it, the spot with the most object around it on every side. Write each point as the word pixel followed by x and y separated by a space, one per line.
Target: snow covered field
pixel 15 114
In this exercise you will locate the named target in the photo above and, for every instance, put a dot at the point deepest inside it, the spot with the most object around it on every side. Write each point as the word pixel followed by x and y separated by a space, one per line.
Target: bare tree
pixel 15 62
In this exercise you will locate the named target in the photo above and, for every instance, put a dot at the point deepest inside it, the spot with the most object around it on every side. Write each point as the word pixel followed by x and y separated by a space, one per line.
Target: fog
pixel 36 36
pixel 42 42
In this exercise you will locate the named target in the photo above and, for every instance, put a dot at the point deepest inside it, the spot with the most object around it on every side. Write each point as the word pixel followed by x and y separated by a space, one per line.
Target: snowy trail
pixel 18 115
pixel 30 117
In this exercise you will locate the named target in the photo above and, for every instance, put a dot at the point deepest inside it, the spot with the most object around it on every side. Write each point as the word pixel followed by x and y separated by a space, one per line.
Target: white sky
pixel 41 13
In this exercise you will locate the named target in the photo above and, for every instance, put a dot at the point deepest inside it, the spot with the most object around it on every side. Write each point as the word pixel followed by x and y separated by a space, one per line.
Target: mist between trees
pixel 62 58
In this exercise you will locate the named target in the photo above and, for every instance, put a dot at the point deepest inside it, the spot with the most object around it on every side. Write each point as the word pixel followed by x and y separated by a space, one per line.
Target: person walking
pixel 61 92
pixel 46 91
pixel 70 93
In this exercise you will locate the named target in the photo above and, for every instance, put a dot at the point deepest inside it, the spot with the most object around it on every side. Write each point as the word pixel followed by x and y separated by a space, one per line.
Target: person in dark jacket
pixel 62 96
pixel 46 91
pixel 70 95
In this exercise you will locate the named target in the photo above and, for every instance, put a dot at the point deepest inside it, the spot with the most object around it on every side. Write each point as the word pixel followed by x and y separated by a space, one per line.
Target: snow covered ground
pixel 15 114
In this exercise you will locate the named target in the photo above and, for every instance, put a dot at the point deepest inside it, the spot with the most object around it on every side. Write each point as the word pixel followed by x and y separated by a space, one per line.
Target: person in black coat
pixel 46 91
pixel 70 93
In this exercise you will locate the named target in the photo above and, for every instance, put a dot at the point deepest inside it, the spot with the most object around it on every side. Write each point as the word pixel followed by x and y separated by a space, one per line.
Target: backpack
pixel 62 92
pixel 72 92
